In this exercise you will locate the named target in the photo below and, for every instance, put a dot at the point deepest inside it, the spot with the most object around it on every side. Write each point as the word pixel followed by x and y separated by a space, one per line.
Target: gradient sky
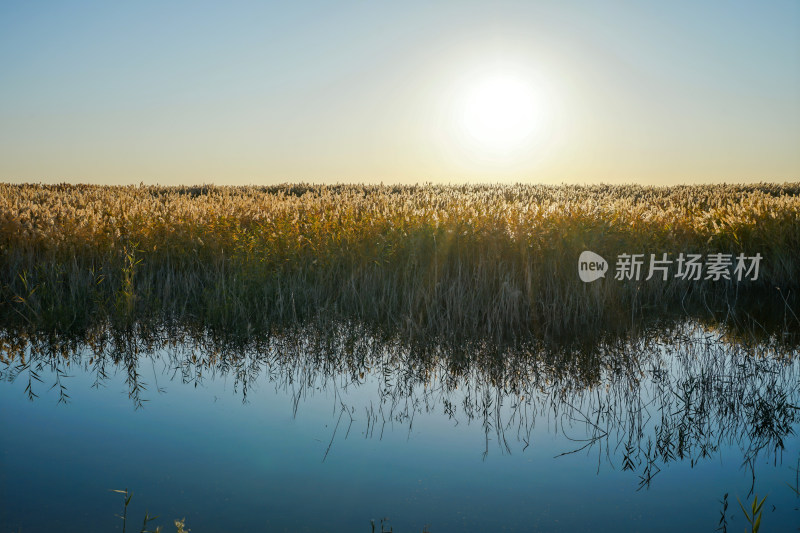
pixel 247 92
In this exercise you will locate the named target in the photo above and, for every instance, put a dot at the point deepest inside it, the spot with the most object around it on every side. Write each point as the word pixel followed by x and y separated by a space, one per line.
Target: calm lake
pixel 325 432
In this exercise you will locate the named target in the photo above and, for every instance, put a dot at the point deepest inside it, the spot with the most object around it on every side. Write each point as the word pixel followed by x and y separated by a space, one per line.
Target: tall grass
pixel 498 262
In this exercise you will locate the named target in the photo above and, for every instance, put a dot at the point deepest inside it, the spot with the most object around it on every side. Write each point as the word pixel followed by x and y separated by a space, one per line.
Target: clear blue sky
pixel 247 92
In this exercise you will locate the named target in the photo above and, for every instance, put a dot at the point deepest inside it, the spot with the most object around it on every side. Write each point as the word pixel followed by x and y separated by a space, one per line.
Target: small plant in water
pixel 383 521
pixel 723 519
pixel 180 525
pixel 796 487
pixel 754 517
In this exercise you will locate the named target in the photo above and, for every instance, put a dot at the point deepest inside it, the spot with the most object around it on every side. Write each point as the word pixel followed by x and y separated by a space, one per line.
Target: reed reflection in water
pixel 642 431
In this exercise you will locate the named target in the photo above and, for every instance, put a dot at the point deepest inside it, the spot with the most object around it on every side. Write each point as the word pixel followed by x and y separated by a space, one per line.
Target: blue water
pixel 327 450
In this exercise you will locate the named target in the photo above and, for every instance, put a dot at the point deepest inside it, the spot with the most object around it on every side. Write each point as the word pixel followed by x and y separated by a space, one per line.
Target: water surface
pixel 306 431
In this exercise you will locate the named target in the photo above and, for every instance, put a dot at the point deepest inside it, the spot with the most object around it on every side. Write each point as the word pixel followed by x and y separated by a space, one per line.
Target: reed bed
pixel 498 262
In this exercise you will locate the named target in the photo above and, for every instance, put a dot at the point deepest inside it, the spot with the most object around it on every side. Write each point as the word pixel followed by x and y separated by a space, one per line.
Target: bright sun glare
pixel 499 114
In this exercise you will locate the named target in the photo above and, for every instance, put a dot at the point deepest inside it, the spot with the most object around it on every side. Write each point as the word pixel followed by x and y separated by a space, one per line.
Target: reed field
pixel 498 262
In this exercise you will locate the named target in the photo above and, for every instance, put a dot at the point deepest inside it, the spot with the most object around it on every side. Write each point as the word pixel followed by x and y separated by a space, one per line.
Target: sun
pixel 499 115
